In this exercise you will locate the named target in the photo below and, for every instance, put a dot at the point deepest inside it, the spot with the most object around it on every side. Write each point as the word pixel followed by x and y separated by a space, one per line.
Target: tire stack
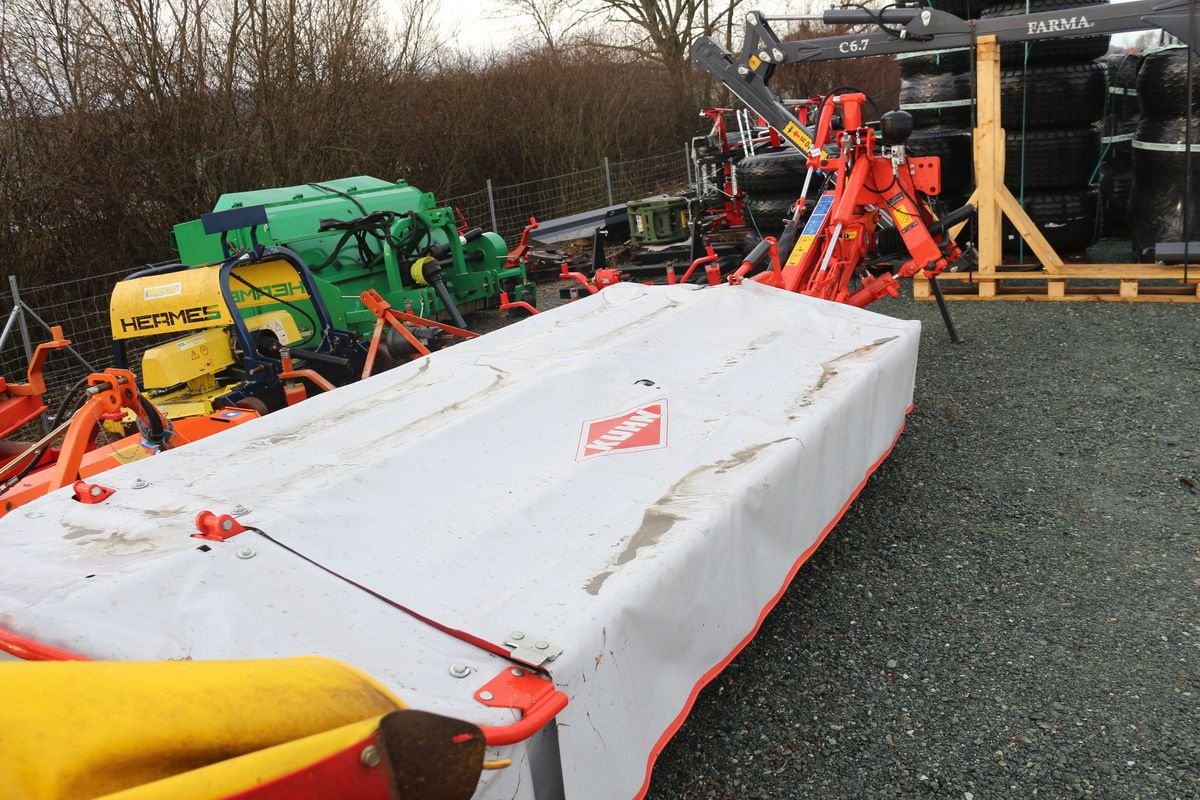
pixel 937 89
pixel 1160 175
pixel 1051 99
pixel 1120 124
pixel 772 182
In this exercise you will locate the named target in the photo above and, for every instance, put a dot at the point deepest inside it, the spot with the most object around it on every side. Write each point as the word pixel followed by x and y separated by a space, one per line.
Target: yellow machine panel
pixel 191 299
pixel 281 322
pixel 182 360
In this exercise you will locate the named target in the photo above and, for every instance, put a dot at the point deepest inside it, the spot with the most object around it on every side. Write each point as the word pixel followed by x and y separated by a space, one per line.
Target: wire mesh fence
pixel 507 209
pixel 81 307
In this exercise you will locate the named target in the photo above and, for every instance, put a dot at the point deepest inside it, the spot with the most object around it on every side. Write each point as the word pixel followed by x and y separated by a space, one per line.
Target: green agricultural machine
pixel 365 233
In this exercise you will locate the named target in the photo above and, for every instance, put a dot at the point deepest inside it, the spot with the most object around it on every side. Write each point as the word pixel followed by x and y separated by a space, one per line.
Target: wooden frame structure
pixel 1057 280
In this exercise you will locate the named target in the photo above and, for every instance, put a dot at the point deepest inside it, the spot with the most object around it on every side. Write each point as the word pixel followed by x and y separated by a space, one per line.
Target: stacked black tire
pixel 938 90
pixel 1162 185
pixel 771 182
pixel 1052 95
pixel 1120 124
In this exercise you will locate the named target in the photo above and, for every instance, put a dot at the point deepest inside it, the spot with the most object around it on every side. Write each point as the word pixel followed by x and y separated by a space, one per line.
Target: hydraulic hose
pixel 439 286
pixel 55 423
pixel 154 432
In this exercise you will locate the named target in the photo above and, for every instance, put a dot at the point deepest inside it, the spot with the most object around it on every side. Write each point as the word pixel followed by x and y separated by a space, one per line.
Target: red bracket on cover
pixel 92 493
pixel 218 528
pixel 528 692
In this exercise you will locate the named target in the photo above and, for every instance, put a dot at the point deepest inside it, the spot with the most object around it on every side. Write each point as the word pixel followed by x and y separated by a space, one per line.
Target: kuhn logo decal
pixel 1061 25
pixel 641 428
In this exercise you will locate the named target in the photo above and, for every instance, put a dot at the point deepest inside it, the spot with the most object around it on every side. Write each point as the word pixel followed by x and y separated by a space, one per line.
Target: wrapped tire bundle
pixel 1116 183
pixel 1118 137
pixel 935 100
pixel 1070 221
pixel 1162 84
pixel 1052 95
pixel 1054 158
pixel 1123 69
pixel 953 146
pixel 1160 181
pixel 1124 109
pixel 1045 51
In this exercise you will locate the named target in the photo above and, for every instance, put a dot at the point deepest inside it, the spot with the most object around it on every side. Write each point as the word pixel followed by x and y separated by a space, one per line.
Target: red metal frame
pixel 567 275
pixel 386 315
pixel 712 269
pixel 110 394
pixel 506 305
pixel 518 253
pixel 866 186
pixel 21 403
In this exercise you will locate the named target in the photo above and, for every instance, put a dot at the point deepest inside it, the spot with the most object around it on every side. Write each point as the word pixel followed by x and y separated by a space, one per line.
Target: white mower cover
pixel 633 478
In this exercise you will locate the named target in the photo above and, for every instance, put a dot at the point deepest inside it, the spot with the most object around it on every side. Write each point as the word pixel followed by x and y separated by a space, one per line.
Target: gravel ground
pixel 1010 609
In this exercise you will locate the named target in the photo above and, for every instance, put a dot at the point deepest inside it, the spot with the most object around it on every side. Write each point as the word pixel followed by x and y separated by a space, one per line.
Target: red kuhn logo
pixel 642 428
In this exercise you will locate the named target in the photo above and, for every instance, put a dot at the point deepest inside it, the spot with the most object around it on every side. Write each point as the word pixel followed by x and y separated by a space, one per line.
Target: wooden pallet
pixel 1055 280
pixel 1146 283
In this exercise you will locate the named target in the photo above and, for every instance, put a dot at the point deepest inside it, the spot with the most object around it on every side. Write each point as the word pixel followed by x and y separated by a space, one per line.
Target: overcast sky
pixel 482 25
pixel 488 24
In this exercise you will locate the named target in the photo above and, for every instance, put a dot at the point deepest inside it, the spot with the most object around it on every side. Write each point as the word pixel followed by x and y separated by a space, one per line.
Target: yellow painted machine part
pixel 279 321
pixel 185 359
pixel 191 299
pixel 82 730
pixel 235 775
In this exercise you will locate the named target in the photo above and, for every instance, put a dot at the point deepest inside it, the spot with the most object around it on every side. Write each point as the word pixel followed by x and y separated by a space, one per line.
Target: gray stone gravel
pixel 1010 609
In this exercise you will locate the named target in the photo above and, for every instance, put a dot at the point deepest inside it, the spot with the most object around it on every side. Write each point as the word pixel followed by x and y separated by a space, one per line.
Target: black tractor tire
pixel 1161 181
pixel 938 62
pixel 938 100
pixel 1048 51
pixel 772 172
pixel 1054 158
pixel 954 148
pixel 1053 95
pixel 768 213
pixel 1070 221
pixel 1162 84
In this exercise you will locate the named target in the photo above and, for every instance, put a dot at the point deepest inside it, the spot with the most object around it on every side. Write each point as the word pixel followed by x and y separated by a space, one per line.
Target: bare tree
pixel 417 37
pixel 557 22
pixel 667 27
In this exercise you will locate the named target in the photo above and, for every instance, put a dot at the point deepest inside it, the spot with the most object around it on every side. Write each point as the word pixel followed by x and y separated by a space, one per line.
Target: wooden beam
pixel 1111 272
pixel 989 153
pixel 1028 231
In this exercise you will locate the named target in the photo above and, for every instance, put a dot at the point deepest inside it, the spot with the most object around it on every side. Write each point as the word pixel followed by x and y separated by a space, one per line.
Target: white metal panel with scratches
pixel 633 478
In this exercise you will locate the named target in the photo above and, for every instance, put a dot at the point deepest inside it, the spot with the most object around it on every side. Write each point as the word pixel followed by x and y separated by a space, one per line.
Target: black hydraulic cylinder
pixel 952 219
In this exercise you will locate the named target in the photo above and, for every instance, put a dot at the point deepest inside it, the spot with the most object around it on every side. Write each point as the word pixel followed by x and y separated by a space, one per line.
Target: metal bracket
pixel 531 651
pixel 531 694
pixel 217 527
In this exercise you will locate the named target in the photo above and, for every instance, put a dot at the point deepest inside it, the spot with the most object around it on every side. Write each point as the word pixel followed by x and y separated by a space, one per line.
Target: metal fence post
pixel 608 180
pixel 492 206
pixel 18 307
pixel 19 310
pixel 687 165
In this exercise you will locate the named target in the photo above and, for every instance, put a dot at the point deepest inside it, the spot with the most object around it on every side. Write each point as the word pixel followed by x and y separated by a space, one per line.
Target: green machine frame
pixel 365 233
